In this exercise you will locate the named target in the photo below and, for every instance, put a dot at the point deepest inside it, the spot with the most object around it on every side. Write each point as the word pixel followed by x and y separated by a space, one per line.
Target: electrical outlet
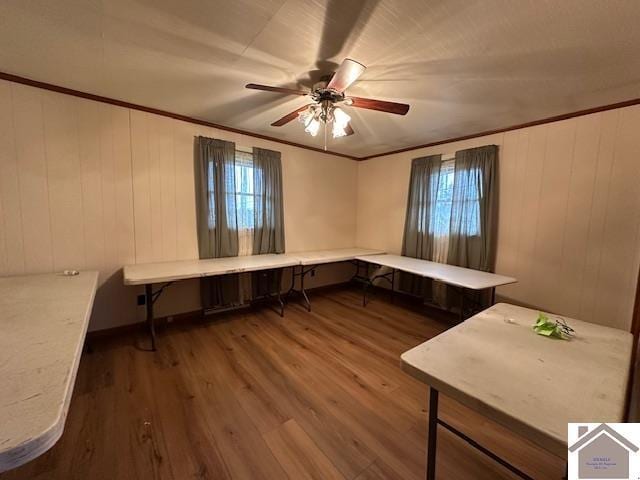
pixel 142 299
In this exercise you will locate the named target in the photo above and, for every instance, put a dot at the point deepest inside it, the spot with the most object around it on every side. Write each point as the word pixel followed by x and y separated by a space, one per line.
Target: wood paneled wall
pixel 569 220
pixel 86 185
pixel 93 186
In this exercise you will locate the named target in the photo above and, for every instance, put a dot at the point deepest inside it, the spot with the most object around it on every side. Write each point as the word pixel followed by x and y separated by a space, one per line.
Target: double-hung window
pixel 445 202
pixel 240 201
pixel 244 201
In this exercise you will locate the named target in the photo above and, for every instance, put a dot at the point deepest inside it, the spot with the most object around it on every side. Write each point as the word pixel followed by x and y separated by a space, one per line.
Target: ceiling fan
pixel 328 96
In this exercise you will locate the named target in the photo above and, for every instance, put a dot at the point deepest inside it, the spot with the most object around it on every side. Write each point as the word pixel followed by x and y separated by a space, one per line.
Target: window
pixel 245 200
pixel 442 184
pixel 467 208
pixel 241 199
pixel 442 205
pixel 239 190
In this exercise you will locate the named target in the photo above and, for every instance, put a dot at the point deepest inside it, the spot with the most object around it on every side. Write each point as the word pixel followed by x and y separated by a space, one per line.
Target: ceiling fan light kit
pixel 328 96
pixel 309 118
pixel 325 113
pixel 340 122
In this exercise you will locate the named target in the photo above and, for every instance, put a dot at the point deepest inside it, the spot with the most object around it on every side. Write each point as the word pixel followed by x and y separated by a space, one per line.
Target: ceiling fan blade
pixel 347 73
pixel 380 105
pixel 289 116
pixel 267 88
pixel 349 130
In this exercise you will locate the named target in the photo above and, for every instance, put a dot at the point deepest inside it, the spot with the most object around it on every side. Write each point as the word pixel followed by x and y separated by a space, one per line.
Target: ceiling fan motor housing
pixel 321 93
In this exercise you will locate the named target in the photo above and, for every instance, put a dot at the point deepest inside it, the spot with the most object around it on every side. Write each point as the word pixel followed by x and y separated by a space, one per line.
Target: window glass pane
pixel 470 189
pixel 442 203
pixel 245 194
pixel 212 195
pixel 441 211
pixel 239 191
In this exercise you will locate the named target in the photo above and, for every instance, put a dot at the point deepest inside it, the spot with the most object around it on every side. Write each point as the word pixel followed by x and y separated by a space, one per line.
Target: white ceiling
pixel 464 66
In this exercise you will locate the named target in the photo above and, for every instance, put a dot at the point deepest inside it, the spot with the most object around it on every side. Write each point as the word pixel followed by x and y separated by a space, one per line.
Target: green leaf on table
pixel 546 327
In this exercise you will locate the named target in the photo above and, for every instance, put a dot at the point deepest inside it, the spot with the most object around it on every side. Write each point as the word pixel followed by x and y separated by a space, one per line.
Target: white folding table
pixel 169 272
pixel 309 261
pixel 462 278
pixel 495 364
pixel 43 323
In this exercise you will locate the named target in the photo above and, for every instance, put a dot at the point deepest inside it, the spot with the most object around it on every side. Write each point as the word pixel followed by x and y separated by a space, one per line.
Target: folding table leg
pixel 364 293
pixel 302 290
pixel 393 277
pixel 293 282
pixel 281 303
pixel 148 293
pixel 433 434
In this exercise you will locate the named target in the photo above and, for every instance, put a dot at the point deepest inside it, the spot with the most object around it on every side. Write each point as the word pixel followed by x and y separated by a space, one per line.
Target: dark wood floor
pixel 254 396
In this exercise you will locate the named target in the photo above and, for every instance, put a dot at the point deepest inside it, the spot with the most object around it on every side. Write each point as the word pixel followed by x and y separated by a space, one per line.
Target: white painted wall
pixel 569 226
pixel 86 185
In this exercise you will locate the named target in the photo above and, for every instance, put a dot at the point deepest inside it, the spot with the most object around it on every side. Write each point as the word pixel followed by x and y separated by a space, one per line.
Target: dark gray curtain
pixel 418 240
pixel 474 214
pixel 214 172
pixel 473 228
pixel 466 213
pixel 268 233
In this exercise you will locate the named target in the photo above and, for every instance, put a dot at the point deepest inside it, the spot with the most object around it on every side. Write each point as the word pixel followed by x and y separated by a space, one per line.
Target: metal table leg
pixel 393 276
pixel 279 273
pixel 281 303
pixel 433 434
pixel 148 293
pixel 293 281
pixel 269 295
pixel 303 273
pixel 364 294
pixel 432 440
pixel 369 282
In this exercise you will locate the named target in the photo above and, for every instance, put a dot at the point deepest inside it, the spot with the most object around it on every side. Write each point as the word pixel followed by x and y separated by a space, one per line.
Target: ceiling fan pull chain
pixel 325 136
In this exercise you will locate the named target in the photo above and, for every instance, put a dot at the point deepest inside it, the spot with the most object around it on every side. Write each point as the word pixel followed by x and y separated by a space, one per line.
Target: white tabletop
pixel 170 271
pixel 43 322
pixel 497 365
pixel 319 257
pixel 458 276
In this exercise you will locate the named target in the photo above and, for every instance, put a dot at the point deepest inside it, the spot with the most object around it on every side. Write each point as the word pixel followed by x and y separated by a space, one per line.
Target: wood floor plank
pixel 261 406
pixel 251 395
pixel 371 427
pixel 356 374
pixel 308 395
pixel 193 451
pixel 298 454
pixel 245 453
